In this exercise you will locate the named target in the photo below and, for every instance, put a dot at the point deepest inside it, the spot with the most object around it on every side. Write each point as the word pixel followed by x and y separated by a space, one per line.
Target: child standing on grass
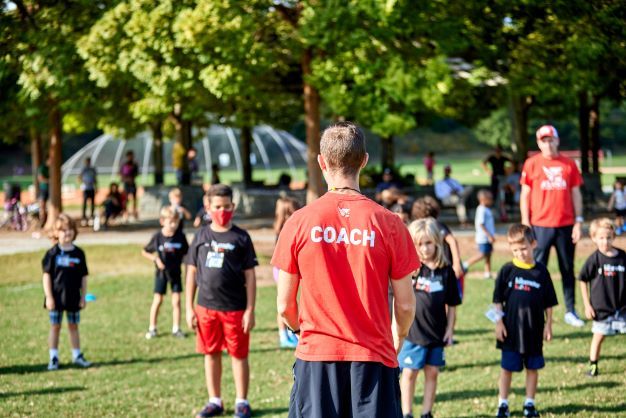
pixel 485 232
pixel 524 296
pixel 65 286
pixel 220 265
pixel 603 288
pixel 436 297
pixel 617 202
pixel 167 249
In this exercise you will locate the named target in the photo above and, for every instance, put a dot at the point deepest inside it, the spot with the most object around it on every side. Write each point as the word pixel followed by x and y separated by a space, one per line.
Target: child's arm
pixel 547 329
pixel 590 313
pixel 190 297
pixel 47 288
pixel 490 237
pixel 186 213
pixel 197 221
pixel 456 255
pixel 154 257
pixel 611 201
pixel 500 328
pixel 248 316
pixel 451 317
pixel 83 292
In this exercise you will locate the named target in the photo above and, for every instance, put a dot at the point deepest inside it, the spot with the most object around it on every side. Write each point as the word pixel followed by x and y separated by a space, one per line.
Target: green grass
pixel 164 377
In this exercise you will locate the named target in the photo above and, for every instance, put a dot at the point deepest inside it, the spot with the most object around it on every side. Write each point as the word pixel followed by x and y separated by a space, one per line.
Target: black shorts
pixel 344 389
pixel 620 212
pixel 161 280
pixel 130 189
pixel 44 194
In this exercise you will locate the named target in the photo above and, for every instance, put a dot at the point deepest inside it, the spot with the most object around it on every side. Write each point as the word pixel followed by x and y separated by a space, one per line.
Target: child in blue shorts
pixel 436 296
pixel 485 225
pixel 524 296
pixel 65 286
pixel 603 288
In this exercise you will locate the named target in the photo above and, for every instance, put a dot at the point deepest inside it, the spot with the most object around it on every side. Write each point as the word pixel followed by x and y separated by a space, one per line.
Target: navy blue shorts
pixel 344 389
pixel 516 362
pixel 486 248
pixel 57 316
pixel 415 356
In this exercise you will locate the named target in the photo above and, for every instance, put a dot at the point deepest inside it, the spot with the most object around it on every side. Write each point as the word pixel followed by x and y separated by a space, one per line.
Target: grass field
pixel 164 377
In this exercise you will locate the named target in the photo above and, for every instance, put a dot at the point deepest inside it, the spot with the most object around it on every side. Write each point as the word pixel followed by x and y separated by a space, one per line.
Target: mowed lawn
pixel 164 377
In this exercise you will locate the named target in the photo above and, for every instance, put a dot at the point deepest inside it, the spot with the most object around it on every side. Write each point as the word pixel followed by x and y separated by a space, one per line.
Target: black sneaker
pixel 210 410
pixel 242 410
pixel 53 364
pixel 426 415
pixel 503 411
pixel 407 416
pixel 530 411
pixel 593 370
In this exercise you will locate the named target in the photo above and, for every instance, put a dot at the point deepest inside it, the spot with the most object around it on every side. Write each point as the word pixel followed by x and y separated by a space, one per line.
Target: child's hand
pixel 159 263
pixel 590 313
pixel 248 321
pixel 491 239
pixel 448 337
pixel 192 320
pixel 82 303
pixel 547 332
pixel 500 331
pixel 50 303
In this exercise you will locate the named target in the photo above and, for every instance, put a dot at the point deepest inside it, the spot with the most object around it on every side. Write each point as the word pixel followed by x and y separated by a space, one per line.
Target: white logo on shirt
pixel 429 285
pixel 555 180
pixel 345 212
pixel 525 284
pixel 330 235
pixel 610 270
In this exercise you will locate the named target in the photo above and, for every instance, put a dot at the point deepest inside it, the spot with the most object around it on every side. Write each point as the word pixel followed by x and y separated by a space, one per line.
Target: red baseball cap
pixel 545 131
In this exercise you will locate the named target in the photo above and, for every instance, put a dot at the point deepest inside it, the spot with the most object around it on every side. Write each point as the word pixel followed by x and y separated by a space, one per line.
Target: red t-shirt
pixel 345 248
pixel 551 181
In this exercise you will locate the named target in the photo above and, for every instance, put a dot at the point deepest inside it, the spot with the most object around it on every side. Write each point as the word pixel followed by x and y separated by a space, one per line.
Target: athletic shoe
pixel 503 411
pixel 210 410
pixel 152 333
pixel 572 319
pixel 53 364
pixel 81 361
pixel 178 334
pixel 407 416
pixel 530 411
pixel 426 415
pixel 242 410
pixel 487 276
pixel 593 370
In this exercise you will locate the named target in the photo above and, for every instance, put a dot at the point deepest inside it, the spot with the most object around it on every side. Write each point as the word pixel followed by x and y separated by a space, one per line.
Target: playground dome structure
pixel 271 149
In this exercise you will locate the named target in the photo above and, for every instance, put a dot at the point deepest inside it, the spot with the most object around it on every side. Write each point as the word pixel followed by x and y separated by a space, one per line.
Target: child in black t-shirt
pixel 65 286
pixel 166 249
pixel 220 265
pixel 203 216
pixel 603 288
pixel 524 296
pixel 436 297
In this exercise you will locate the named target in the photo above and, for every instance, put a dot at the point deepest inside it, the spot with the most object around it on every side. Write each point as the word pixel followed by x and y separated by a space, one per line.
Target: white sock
pixel 503 402
pixel 215 400
pixel 529 401
pixel 239 400
pixel 54 352
pixel 175 329
pixel 75 353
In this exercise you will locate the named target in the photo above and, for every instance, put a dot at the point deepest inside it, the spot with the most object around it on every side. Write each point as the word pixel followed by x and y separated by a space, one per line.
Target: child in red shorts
pixel 221 263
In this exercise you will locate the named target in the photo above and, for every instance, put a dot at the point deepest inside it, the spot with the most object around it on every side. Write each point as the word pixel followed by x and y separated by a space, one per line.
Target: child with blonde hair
pixel 603 288
pixel 65 286
pixel 436 296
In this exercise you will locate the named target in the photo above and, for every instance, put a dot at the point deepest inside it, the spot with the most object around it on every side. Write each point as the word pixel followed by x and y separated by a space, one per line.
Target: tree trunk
pixel 583 129
pixel 56 158
pixel 520 107
pixel 183 137
pixel 387 152
pixel 157 144
pixel 35 154
pixel 246 150
pixel 312 122
pixel 594 122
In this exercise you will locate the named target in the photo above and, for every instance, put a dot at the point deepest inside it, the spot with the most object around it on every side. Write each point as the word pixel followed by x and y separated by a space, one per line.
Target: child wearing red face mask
pixel 221 263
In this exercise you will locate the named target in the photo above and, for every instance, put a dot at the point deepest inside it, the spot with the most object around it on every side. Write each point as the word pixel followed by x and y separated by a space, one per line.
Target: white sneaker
pixel 53 364
pixel 82 362
pixel 152 333
pixel 572 319
pixel 96 223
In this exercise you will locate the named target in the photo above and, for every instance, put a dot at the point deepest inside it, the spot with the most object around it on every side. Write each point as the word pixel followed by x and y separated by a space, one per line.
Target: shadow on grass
pixel 569 409
pixel 473 331
pixel 481 393
pixel 47 391
pixel 270 411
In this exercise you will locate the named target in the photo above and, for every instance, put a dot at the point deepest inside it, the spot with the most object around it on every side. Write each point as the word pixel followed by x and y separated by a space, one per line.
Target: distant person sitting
pixel 388 181
pixel 451 193
pixel 113 206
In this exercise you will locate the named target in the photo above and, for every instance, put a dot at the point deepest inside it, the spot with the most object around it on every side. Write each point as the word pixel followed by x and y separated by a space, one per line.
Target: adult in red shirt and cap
pixel 551 202
pixel 344 252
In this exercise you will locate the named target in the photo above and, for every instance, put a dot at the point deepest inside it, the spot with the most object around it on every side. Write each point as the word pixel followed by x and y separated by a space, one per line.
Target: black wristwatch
pixel 293 330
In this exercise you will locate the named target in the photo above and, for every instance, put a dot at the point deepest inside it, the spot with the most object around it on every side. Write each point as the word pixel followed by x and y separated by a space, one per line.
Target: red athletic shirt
pixel 551 181
pixel 345 248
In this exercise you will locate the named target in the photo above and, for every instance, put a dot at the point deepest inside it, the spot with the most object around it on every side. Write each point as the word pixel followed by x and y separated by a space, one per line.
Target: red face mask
pixel 222 217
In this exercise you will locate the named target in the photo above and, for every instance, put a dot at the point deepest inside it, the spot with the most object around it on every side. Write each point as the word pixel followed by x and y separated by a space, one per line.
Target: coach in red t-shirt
pixel 551 203
pixel 343 251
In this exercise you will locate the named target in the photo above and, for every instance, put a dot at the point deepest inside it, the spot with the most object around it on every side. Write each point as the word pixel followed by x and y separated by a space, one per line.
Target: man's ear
pixel 365 160
pixel 321 162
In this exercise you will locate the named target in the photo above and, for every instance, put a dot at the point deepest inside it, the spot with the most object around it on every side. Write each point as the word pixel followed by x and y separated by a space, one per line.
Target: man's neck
pixel 342 184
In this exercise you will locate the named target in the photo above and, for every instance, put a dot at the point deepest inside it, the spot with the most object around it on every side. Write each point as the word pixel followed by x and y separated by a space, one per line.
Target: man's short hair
pixel 221 190
pixel 343 148
pixel 519 233
pixel 601 223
